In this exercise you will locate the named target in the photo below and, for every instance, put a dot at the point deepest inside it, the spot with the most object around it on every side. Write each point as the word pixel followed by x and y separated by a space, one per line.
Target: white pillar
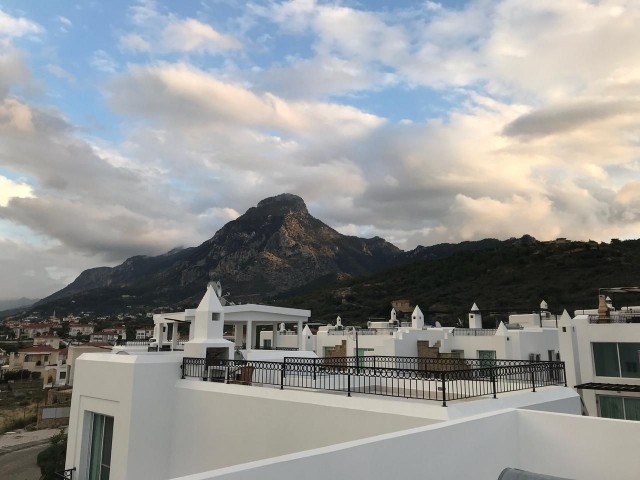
pixel 300 336
pixel 274 340
pixel 238 329
pixel 249 339
pixel 174 335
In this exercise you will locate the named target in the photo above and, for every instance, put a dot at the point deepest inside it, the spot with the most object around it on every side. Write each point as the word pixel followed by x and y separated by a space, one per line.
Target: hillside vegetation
pixel 514 275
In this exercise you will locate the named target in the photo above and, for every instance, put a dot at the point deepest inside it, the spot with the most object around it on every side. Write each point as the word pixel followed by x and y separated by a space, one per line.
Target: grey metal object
pixel 517 474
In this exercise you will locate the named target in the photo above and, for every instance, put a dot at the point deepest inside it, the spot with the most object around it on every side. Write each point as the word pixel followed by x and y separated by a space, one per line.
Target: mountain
pixel 273 247
pixel 515 274
pixel 16 303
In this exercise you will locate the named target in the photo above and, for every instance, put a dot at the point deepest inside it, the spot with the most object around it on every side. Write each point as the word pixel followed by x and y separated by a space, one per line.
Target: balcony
pixel 436 379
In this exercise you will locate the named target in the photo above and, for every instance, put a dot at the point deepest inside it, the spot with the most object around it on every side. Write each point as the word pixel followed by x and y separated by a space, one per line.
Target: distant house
pixel 31 330
pixel 51 340
pixel 144 333
pixel 43 359
pixel 76 329
pixel 109 335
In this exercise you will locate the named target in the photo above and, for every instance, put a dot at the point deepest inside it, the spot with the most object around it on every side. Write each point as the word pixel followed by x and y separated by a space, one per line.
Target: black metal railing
pixel 287 349
pixel 615 318
pixel 66 474
pixel 474 332
pixel 435 379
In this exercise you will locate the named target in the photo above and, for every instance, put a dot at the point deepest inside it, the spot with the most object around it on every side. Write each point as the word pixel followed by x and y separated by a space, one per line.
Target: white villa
pixel 601 349
pixel 531 336
pixel 200 414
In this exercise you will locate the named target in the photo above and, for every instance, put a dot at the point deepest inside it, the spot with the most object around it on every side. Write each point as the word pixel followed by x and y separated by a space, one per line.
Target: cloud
pixel 14 27
pixel 10 189
pixel 134 43
pixel 191 35
pixel 59 72
pixel 102 61
pixel 181 95
pixel 167 33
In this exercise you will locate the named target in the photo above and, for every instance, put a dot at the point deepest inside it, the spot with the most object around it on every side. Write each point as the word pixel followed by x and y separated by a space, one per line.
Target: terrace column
pixel 238 329
pixel 300 336
pixel 274 340
pixel 174 335
pixel 249 339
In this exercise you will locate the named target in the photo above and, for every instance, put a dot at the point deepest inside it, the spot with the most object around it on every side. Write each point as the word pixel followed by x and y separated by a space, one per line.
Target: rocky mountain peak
pixel 283 204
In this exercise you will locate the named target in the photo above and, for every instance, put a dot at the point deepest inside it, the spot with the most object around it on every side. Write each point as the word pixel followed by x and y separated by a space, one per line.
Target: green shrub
pixel 51 460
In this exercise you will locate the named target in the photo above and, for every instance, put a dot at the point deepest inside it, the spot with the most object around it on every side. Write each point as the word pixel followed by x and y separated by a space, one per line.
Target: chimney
pixel 603 309
pixel 475 317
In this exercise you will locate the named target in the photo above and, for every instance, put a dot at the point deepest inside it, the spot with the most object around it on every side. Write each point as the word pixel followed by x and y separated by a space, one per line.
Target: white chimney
pixel 475 317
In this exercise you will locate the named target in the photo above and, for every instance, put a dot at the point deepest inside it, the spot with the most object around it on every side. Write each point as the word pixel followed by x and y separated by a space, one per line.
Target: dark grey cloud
pixel 558 119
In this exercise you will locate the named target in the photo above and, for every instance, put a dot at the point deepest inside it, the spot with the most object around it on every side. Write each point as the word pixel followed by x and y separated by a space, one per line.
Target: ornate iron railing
pixel 433 379
pixel 66 474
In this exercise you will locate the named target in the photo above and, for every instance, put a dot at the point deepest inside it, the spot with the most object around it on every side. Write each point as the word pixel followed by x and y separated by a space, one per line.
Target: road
pixel 21 465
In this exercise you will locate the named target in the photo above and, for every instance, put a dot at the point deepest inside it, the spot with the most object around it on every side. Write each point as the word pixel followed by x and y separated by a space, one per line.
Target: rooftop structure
pixel 601 348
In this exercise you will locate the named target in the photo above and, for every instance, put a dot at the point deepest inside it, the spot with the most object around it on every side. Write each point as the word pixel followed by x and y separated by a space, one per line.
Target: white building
pixel 601 349
pixel 76 329
pixel 147 416
pixel 533 338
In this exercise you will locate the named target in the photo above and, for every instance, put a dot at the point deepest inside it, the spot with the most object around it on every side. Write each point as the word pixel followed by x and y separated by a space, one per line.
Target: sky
pixel 131 128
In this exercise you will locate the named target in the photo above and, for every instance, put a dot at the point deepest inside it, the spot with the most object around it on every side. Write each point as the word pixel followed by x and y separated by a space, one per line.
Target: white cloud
pixel 59 72
pixel 18 26
pixel 10 189
pixel 134 43
pixel 191 35
pixel 179 94
pixel 102 61
pixel 167 33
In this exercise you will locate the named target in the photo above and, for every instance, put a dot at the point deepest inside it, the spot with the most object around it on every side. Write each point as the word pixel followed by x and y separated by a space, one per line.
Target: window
pixel 215 316
pixel 100 449
pixel 624 408
pixel 266 344
pixel 487 358
pixel 617 359
pixel 63 375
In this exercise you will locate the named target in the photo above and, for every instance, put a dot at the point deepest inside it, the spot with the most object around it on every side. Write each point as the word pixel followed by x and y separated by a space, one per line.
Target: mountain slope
pixel 273 247
pixel 514 274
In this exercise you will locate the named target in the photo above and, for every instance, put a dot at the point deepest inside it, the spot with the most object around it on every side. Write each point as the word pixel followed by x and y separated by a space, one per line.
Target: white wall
pixel 459 450
pixel 478 448
pixel 584 448
pixel 105 384
pixel 218 425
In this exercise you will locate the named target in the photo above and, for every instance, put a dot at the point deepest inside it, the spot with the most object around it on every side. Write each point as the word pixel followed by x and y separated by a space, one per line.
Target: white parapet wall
pixel 478 448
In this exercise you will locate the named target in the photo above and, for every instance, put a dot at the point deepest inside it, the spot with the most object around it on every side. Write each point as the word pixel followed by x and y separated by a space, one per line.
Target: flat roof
pixel 254 307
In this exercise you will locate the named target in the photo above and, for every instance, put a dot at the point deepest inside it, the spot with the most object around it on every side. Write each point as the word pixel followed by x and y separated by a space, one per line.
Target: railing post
pixel 533 379
pixel 282 368
pixel 349 383
pixel 444 389
pixel 182 370
pixel 493 381
pixel 226 375
pixel 564 373
pixel 315 368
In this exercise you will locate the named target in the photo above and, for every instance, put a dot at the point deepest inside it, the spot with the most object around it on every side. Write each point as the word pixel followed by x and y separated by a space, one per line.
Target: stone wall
pixel 54 416
pixel 426 352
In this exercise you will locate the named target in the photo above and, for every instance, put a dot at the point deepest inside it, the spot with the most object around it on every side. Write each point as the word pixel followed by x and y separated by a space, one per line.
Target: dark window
pixel 605 357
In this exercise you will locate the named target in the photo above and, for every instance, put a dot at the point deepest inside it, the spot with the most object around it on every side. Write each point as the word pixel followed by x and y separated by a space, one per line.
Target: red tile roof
pixel 39 349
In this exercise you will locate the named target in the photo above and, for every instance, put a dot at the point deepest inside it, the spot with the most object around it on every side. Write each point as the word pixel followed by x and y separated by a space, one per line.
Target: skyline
pixel 145 126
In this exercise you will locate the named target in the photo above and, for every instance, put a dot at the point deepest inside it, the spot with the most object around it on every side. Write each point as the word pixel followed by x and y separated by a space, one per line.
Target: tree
pixel 51 460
